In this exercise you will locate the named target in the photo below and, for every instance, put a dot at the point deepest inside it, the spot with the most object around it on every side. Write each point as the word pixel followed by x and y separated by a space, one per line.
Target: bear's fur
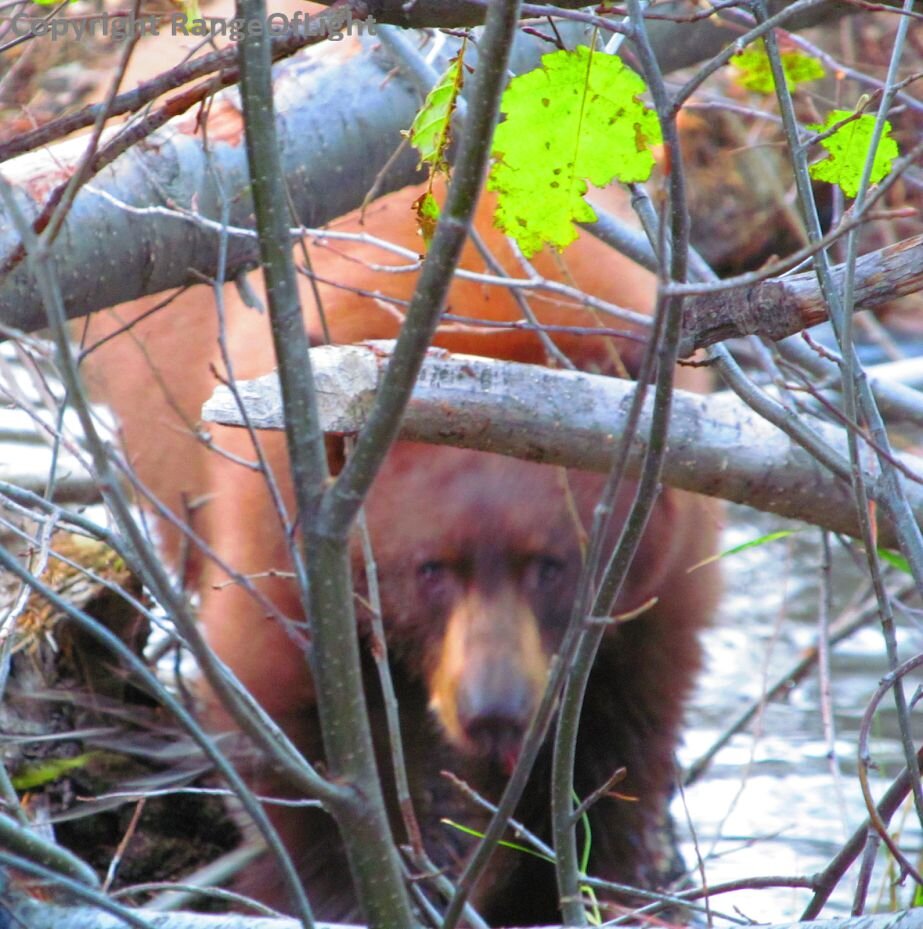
pixel 478 557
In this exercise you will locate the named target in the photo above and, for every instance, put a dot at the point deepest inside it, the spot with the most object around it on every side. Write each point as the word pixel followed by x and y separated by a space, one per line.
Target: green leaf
pixel 48 771
pixel 594 916
pixel 575 119
pixel 756 543
pixel 848 149
pixel 427 210
pixel 480 835
pixel 755 73
pixel 895 559
pixel 431 129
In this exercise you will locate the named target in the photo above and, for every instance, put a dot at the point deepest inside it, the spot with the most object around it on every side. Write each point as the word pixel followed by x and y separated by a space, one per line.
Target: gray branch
pixel 152 220
pixel 717 445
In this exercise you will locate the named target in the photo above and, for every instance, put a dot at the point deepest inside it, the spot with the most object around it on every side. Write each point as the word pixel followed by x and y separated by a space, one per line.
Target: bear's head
pixel 479 558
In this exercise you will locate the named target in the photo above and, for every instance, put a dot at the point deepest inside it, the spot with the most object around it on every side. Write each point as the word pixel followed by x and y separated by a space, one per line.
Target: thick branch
pixel 117 244
pixel 781 307
pixel 121 242
pixel 698 39
pixel 716 446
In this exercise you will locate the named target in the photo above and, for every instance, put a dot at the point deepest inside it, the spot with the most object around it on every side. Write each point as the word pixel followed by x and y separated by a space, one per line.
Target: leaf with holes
pixel 577 118
pixel 848 149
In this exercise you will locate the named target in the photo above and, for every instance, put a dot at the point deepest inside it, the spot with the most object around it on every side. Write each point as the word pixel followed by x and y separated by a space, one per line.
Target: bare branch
pixel 782 306
pixel 717 446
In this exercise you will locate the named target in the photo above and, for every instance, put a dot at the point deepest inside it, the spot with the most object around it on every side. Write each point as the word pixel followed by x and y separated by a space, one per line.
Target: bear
pixel 478 557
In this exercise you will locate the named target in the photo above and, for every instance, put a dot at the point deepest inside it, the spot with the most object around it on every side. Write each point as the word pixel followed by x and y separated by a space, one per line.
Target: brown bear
pixel 478 558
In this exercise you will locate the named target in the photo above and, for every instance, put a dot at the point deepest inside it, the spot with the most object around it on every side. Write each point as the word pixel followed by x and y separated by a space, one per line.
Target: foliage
pixel 575 119
pixel 427 209
pixel 505 843
pixel 895 559
pixel 756 543
pixel 848 149
pixel 50 770
pixel 430 133
pixel 755 71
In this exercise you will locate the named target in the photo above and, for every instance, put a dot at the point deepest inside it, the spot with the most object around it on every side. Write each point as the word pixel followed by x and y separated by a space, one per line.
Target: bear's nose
pixel 497 738
pixel 494 713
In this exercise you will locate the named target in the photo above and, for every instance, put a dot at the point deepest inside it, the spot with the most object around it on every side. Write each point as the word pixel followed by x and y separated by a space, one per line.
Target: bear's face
pixel 479 588
pixel 501 610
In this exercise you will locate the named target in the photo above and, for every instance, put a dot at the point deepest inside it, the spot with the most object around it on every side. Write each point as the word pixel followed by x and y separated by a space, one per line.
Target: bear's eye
pixel 547 570
pixel 432 571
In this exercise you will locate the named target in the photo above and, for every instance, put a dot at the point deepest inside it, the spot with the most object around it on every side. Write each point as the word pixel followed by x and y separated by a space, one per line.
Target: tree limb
pixel 717 446
pixel 782 306
pixel 116 247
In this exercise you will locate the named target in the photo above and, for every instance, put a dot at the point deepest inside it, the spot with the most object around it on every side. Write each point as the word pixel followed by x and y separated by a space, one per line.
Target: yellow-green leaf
pixel 756 543
pixel 895 559
pixel 431 129
pixel 467 830
pixel 50 770
pixel 754 72
pixel 191 9
pixel 427 210
pixel 575 119
pixel 848 149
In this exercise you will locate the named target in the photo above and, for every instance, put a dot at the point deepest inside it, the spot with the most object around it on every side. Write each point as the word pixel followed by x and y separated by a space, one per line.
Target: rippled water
pixel 773 801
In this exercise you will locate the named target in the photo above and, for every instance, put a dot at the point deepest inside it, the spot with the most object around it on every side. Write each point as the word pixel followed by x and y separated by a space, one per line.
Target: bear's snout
pixel 490 674
pixel 494 704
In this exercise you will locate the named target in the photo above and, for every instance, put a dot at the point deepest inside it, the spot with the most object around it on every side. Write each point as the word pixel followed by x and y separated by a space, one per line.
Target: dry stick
pixel 748 883
pixel 225 61
pixel 339 506
pixel 856 392
pixel 587 640
pixel 518 828
pixel 118 648
pixel 9 901
pixel 783 683
pixel 103 157
pixel 828 716
pixel 857 396
pixel 21 838
pixel 272 485
pixel 890 681
pixel 661 900
pixel 664 349
pixel 826 880
pixel 61 200
pixel 379 648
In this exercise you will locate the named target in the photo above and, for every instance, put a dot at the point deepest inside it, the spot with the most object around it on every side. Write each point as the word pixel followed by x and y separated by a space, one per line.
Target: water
pixel 782 796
